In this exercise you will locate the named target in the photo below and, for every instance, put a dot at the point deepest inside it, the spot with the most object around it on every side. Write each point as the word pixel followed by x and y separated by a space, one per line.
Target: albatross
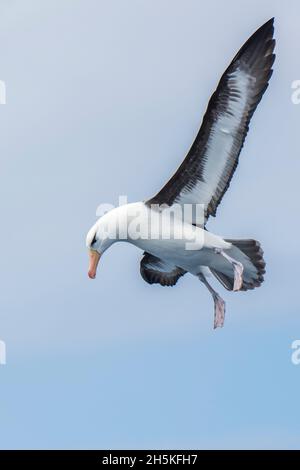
pixel 201 181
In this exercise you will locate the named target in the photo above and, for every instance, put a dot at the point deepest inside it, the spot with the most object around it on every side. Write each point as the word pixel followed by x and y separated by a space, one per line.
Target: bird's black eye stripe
pixel 94 240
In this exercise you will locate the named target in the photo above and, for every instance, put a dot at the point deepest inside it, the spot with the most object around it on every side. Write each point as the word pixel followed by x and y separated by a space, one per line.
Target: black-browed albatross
pixel 202 179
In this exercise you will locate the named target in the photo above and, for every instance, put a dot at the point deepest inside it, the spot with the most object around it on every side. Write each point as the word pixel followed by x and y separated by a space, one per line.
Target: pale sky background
pixel 104 98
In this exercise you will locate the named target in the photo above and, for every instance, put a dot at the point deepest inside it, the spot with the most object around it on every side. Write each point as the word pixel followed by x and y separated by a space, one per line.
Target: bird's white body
pixel 183 244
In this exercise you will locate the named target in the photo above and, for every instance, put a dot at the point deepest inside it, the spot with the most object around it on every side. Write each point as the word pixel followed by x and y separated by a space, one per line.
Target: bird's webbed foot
pixel 238 270
pixel 219 304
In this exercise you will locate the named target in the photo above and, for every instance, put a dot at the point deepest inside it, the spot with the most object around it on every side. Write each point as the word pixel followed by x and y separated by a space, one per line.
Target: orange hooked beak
pixel 94 260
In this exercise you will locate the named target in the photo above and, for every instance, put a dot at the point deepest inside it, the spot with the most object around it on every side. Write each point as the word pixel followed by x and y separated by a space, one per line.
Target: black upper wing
pixel 206 172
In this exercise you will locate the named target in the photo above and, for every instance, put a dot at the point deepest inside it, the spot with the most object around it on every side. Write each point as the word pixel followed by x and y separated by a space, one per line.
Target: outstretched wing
pixel 206 172
pixel 156 271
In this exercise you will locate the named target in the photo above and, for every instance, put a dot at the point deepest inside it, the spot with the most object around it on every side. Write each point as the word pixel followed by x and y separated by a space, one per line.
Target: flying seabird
pixel 201 180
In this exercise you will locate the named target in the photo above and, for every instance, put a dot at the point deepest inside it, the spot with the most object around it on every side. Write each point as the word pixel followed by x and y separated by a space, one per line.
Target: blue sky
pixel 105 98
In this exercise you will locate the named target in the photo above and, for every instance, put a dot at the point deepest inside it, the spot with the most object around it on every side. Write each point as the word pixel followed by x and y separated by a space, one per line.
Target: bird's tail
pixel 250 254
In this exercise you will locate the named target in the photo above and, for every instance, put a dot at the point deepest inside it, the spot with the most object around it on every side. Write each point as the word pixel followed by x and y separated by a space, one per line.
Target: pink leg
pixel 219 304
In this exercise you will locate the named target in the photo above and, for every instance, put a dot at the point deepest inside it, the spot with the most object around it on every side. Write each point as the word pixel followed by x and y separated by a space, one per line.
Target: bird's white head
pixel 98 240
pixel 111 227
